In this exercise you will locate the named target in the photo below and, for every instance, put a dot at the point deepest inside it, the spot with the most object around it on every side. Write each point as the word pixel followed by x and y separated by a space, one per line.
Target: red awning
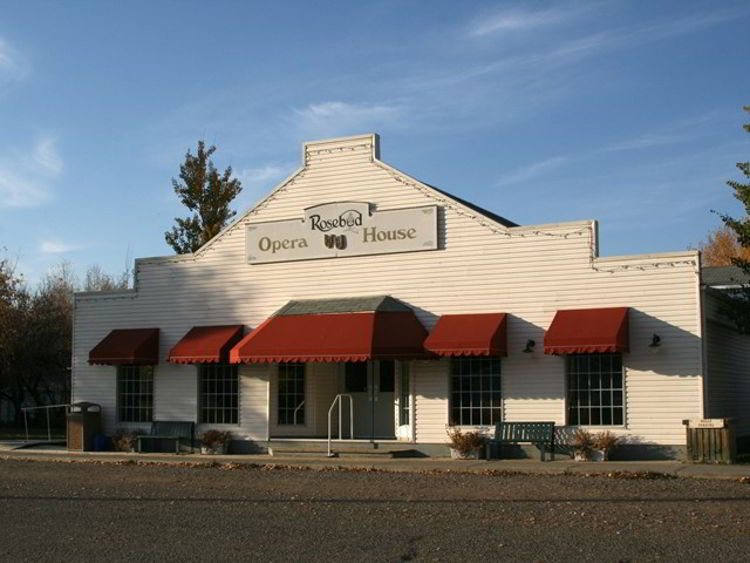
pixel 587 331
pixel 333 337
pixel 206 345
pixel 469 335
pixel 127 346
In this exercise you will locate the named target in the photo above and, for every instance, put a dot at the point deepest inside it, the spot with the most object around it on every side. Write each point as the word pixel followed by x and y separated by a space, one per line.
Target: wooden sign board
pixel 349 228
pixel 706 423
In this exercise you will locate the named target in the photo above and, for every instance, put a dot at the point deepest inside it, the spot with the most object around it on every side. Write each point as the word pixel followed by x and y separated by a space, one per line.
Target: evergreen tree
pixel 740 311
pixel 207 194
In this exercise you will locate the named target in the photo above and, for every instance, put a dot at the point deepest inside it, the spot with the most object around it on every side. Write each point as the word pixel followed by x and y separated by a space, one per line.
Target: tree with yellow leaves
pixel 721 247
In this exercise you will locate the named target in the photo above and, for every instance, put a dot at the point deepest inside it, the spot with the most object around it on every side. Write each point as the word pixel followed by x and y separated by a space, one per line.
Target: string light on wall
pixel 459 210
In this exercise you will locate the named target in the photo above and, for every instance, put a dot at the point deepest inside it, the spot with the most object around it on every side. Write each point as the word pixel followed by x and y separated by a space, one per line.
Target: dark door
pixel 371 385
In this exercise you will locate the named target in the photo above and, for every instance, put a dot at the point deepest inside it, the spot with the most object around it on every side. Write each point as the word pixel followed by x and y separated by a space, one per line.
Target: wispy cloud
pixel 25 178
pixel 12 66
pixel 265 173
pixel 343 118
pixel 553 56
pixel 679 132
pixel 643 142
pixel 47 158
pixel 532 170
pixel 629 37
pixel 516 20
pixel 6 60
pixel 56 246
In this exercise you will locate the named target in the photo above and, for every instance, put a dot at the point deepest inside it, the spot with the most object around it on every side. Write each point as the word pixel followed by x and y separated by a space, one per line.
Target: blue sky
pixel 625 112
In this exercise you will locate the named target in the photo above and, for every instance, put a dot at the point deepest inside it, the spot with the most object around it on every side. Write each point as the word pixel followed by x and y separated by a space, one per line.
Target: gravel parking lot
pixel 88 511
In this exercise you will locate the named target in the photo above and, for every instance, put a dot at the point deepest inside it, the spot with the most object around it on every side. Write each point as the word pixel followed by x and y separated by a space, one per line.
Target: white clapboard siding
pixel 528 272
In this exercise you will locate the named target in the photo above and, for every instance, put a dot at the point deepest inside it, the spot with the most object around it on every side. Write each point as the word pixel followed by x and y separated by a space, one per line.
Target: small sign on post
pixel 706 423
pixel 710 440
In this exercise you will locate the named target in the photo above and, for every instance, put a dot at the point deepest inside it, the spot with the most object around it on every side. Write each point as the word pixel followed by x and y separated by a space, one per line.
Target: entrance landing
pixel 344 448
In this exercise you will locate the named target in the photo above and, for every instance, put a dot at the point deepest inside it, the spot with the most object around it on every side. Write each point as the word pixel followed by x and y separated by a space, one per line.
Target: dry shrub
pixel 606 441
pixel 215 438
pixel 465 442
pixel 581 440
pixel 125 440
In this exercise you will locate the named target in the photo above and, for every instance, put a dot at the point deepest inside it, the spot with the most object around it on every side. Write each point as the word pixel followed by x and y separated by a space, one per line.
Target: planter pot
pixel 217 449
pixel 599 455
pixel 474 454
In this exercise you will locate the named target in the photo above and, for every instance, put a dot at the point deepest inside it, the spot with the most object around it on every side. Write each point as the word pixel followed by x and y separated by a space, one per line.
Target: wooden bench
pixel 540 434
pixel 174 430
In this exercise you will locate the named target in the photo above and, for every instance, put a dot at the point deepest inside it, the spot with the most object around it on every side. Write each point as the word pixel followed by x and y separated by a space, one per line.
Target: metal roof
pixel 369 304
pixel 723 275
pixel 481 210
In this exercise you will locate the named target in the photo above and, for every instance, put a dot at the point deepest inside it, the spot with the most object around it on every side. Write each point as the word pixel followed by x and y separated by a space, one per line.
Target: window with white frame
pixel 135 393
pixel 475 391
pixel 218 401
pixel 291 393
pixel 595 389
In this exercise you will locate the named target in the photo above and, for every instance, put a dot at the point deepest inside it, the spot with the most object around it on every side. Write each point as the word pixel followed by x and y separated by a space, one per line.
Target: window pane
pixel 387 376
pixel 595 392
pixel 291 394
pixel 218 400
pixel 355 376
pixel 475 394
pixel 617 416
pixel 572 416
pixel 134 393
pixel 596 416
pixel 583 415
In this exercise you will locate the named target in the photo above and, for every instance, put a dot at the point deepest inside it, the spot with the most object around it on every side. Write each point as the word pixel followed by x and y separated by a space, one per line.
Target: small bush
pixel 465 442
pixel 581 440
pixel 125 440
pixel 215 438
pixel 606 441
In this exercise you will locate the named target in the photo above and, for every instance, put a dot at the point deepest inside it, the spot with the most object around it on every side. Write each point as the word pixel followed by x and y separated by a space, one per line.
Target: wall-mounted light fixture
pixel 529 346
pixel 655 342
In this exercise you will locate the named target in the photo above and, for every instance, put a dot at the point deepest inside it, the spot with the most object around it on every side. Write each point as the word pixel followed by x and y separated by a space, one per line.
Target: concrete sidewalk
pixel 416 465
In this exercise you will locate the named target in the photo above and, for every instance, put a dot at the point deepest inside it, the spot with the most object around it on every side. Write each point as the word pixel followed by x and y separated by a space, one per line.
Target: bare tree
pixel 14 304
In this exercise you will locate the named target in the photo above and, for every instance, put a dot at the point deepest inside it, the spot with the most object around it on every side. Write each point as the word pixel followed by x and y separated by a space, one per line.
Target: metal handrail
pixel 337 399
pixel 47 407
pixel 294 415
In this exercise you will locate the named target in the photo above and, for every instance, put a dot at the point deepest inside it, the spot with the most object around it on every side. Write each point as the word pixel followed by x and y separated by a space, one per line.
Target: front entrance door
pixel 372 386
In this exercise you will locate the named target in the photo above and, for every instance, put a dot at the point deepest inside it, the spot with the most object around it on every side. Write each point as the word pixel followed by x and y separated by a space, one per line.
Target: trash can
pixel 710 440
pixel 84 422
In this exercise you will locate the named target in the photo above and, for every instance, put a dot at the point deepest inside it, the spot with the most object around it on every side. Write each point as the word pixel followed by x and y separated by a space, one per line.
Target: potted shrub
pixel 125 440
pixel 465 445
pixel 215 442
pixel 604 443
pixel 582 443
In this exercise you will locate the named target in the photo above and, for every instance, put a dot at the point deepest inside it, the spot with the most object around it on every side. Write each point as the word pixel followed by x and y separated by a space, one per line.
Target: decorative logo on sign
pixel 335 241
pixel 346 229
pixel 348 220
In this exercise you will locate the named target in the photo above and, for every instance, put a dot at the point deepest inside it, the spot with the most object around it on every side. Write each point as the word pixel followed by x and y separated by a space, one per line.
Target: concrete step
pixel 294 452
pixel 337 451
pixel 360 445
